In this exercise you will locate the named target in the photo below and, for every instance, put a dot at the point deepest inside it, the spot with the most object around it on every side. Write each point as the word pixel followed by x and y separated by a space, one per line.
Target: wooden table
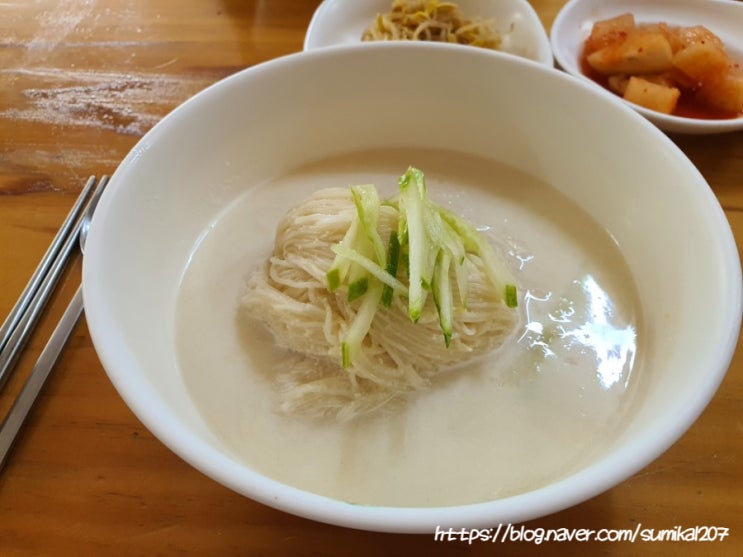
pixel 80 82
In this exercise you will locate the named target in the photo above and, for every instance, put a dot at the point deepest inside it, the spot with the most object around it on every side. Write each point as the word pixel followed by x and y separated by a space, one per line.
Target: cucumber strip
pixel 451 241
pixel 430 248
pixel 333 278
pixel 442 295
pixel 393 260
pixel 453 244
pixel 366 199
pixel 358 288
pixel 499 276
pixel 466 233
pixel 511 296
pixel 475 243
pixel 366 241
pixel 460 273
pixel 378 272
pixel 354 337
pixel 412 190
pixel 357 276
pixel 340 267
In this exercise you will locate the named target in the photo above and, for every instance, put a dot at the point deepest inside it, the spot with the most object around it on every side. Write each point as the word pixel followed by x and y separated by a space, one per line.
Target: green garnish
pixel 393 261
pixel 429 245
pixel 511 296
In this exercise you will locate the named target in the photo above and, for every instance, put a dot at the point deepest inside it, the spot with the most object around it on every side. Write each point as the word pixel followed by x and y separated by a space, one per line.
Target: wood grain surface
pixel 80 82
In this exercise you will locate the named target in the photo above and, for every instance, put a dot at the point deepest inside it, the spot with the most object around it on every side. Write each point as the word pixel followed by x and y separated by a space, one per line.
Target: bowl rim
pixel 573 489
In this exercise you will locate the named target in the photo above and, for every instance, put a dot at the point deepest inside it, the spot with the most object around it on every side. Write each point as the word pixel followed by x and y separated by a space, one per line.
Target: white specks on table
pixel 94 71
pixel 109 92
pixel 55 25
pixel 125 103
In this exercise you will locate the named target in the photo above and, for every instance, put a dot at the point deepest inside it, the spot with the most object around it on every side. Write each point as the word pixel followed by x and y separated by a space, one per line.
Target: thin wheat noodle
pixel 290 296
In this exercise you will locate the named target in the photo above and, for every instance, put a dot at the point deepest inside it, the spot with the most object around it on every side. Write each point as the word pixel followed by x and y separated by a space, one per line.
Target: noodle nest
pixel 289 295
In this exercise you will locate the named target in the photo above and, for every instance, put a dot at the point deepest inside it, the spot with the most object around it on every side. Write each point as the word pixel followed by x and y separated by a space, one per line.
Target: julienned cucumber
pixel 430 244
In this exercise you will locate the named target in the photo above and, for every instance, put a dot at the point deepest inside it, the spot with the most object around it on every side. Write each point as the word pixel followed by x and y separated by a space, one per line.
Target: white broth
pixel 533 412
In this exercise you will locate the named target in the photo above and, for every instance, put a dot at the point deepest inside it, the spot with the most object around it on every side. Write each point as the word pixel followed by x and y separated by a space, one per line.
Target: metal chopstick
pixel 23 403
pixel 25 400
pixel 27 310
pixel 16 314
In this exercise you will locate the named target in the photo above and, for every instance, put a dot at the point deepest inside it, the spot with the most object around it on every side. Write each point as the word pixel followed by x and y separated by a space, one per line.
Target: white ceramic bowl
pixel 573 24
pixel 338 22
pixel 260 123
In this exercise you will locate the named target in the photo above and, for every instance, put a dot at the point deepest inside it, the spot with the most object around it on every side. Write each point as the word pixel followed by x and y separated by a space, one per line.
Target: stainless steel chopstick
pixel 23 403
pixel 16 314
pixel 37 293
pixel 25 400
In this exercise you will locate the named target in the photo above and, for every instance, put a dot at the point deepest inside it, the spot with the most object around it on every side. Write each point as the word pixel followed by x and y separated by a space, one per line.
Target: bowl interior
pixel 267 120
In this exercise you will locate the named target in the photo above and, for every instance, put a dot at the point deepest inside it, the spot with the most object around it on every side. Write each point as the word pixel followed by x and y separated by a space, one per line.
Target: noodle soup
pixel 552 398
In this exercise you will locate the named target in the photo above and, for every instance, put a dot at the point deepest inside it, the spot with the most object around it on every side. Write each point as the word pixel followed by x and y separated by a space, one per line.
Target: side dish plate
pixel 723 17
pixel 344 21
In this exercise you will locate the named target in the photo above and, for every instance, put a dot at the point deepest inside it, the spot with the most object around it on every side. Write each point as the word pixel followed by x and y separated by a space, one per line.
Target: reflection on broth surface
pixel 512 421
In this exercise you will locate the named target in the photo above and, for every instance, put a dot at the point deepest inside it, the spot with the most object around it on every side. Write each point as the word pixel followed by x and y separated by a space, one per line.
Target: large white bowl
pixel 259 123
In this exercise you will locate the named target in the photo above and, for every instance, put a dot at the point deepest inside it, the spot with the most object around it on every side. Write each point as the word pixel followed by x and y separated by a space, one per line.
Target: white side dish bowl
pixel 344 21
pixel 574 22
pixel 242 133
